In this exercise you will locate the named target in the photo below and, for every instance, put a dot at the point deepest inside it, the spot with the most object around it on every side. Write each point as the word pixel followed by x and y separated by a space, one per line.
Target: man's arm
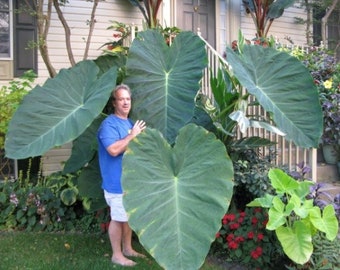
pixel 120 146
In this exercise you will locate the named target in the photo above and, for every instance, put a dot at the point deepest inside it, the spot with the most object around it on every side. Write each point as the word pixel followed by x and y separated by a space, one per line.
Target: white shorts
pixel 117 210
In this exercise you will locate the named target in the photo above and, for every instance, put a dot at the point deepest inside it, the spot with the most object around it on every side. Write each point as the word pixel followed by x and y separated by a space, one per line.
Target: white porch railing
pixel 288 154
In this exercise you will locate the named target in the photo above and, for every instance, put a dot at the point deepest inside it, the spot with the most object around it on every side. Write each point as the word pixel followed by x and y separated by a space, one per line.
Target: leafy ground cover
pixel 63 251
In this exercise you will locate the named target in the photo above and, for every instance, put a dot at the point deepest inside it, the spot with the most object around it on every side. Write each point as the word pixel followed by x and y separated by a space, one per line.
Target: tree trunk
pixel 67 32
pixel 92 23
pixel 324 21
pixel 43 24
pixel 308 22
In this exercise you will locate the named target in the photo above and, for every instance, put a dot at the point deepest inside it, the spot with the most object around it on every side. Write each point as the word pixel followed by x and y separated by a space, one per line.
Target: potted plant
pixel 330 101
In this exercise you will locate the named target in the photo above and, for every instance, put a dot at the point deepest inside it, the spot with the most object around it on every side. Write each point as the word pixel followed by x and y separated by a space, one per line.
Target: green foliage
pixel 244 238
pixel 10 98
pixel 181 190
pixel 264 73
pixel 324 256
pixel 74 109
pixel 44 204
pixel 294 218
pixel 325 70
pixel 164 82
pixel 264 13
pixel 116 45
pixel 251 177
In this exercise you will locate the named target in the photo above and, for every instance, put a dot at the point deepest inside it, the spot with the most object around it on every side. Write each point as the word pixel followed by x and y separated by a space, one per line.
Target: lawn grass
pixel 65 251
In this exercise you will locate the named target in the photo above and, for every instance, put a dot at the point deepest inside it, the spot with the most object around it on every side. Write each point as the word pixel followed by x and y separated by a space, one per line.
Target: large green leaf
pixel 327 222
pixel 277 8
pixel 296 241
pixel 164 80
pixel 84 147
pixel 282 182
pixel 69 195
pixel 284 87
pixel 89 185
pixel 59 111
pixel 177 196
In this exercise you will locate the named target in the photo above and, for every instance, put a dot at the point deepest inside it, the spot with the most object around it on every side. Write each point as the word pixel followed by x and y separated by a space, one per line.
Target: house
pixel 217 20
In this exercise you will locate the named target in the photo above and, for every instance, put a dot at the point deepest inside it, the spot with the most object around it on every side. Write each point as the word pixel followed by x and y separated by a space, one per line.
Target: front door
pixel 192 15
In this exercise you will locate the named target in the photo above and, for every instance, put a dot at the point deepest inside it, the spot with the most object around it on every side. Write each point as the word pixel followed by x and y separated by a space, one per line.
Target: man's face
pixel 122 103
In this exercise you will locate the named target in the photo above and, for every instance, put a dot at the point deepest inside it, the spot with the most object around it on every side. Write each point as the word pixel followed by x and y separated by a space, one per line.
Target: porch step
pixel 327 173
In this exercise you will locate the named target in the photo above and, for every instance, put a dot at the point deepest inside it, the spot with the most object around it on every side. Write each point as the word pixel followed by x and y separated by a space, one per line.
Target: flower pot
pixel 329 154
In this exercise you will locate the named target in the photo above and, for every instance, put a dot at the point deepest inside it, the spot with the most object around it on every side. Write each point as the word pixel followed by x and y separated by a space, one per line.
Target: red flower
pixel 217 235
pixel 254 220
pixel 239 239
pixel 233 245
pixel 230 237
pixel 230 217
pixel 116 35
pixel 227 218
pixel 240 219
pixel 255 254
pixel 243 214
pixel 260 236
pixel 234 226
pixel 251 235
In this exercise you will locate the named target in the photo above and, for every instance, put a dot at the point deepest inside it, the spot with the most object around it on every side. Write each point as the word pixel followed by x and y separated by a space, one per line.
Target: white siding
pixel 54 160
pixel 77 14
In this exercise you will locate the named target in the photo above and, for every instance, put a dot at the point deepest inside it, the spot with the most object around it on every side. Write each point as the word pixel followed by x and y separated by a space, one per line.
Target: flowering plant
pixel 330 99
pixel 325 72
pixel 245 239
pixel 120 32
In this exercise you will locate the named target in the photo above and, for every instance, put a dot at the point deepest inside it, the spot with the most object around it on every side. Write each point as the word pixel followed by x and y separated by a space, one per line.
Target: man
pixel 114 134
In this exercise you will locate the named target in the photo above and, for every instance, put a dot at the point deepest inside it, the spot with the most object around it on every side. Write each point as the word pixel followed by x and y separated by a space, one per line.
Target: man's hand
pixel 138 127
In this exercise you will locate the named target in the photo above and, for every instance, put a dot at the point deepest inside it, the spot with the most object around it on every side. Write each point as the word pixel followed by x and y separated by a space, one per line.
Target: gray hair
pixel 119 87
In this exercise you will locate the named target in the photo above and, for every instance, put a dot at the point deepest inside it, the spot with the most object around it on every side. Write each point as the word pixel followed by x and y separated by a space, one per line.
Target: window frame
pixel 10 13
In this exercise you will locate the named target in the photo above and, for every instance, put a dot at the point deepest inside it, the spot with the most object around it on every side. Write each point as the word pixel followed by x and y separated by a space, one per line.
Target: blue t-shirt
pixel 111 130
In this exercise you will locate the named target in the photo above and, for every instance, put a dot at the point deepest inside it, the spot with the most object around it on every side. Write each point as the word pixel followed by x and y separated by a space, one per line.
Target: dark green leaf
pixel 165 80
pixel 284 87
pixel 59 111
pixel 176 196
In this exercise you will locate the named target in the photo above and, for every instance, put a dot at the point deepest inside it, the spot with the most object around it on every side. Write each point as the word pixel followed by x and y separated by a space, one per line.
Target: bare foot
pixel 121 260
pixel 133 253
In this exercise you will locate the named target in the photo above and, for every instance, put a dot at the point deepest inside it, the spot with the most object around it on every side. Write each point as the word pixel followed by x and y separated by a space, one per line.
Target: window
pixel 5 29
pixel 17 31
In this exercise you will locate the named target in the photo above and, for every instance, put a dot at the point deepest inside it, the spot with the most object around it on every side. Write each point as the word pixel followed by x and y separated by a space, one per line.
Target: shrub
pixel 10 98
pixel 45 204
pixel 244 239
pixel 251 177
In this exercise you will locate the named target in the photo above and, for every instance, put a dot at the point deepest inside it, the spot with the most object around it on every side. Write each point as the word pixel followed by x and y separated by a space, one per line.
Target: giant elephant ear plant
pixel 187 170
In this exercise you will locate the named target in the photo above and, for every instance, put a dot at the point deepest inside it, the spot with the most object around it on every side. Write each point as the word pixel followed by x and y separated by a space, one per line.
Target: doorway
pixel 192 15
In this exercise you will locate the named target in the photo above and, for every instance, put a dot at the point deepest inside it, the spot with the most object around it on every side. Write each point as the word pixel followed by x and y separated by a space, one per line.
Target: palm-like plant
pixel 265 12
pixel 149 11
